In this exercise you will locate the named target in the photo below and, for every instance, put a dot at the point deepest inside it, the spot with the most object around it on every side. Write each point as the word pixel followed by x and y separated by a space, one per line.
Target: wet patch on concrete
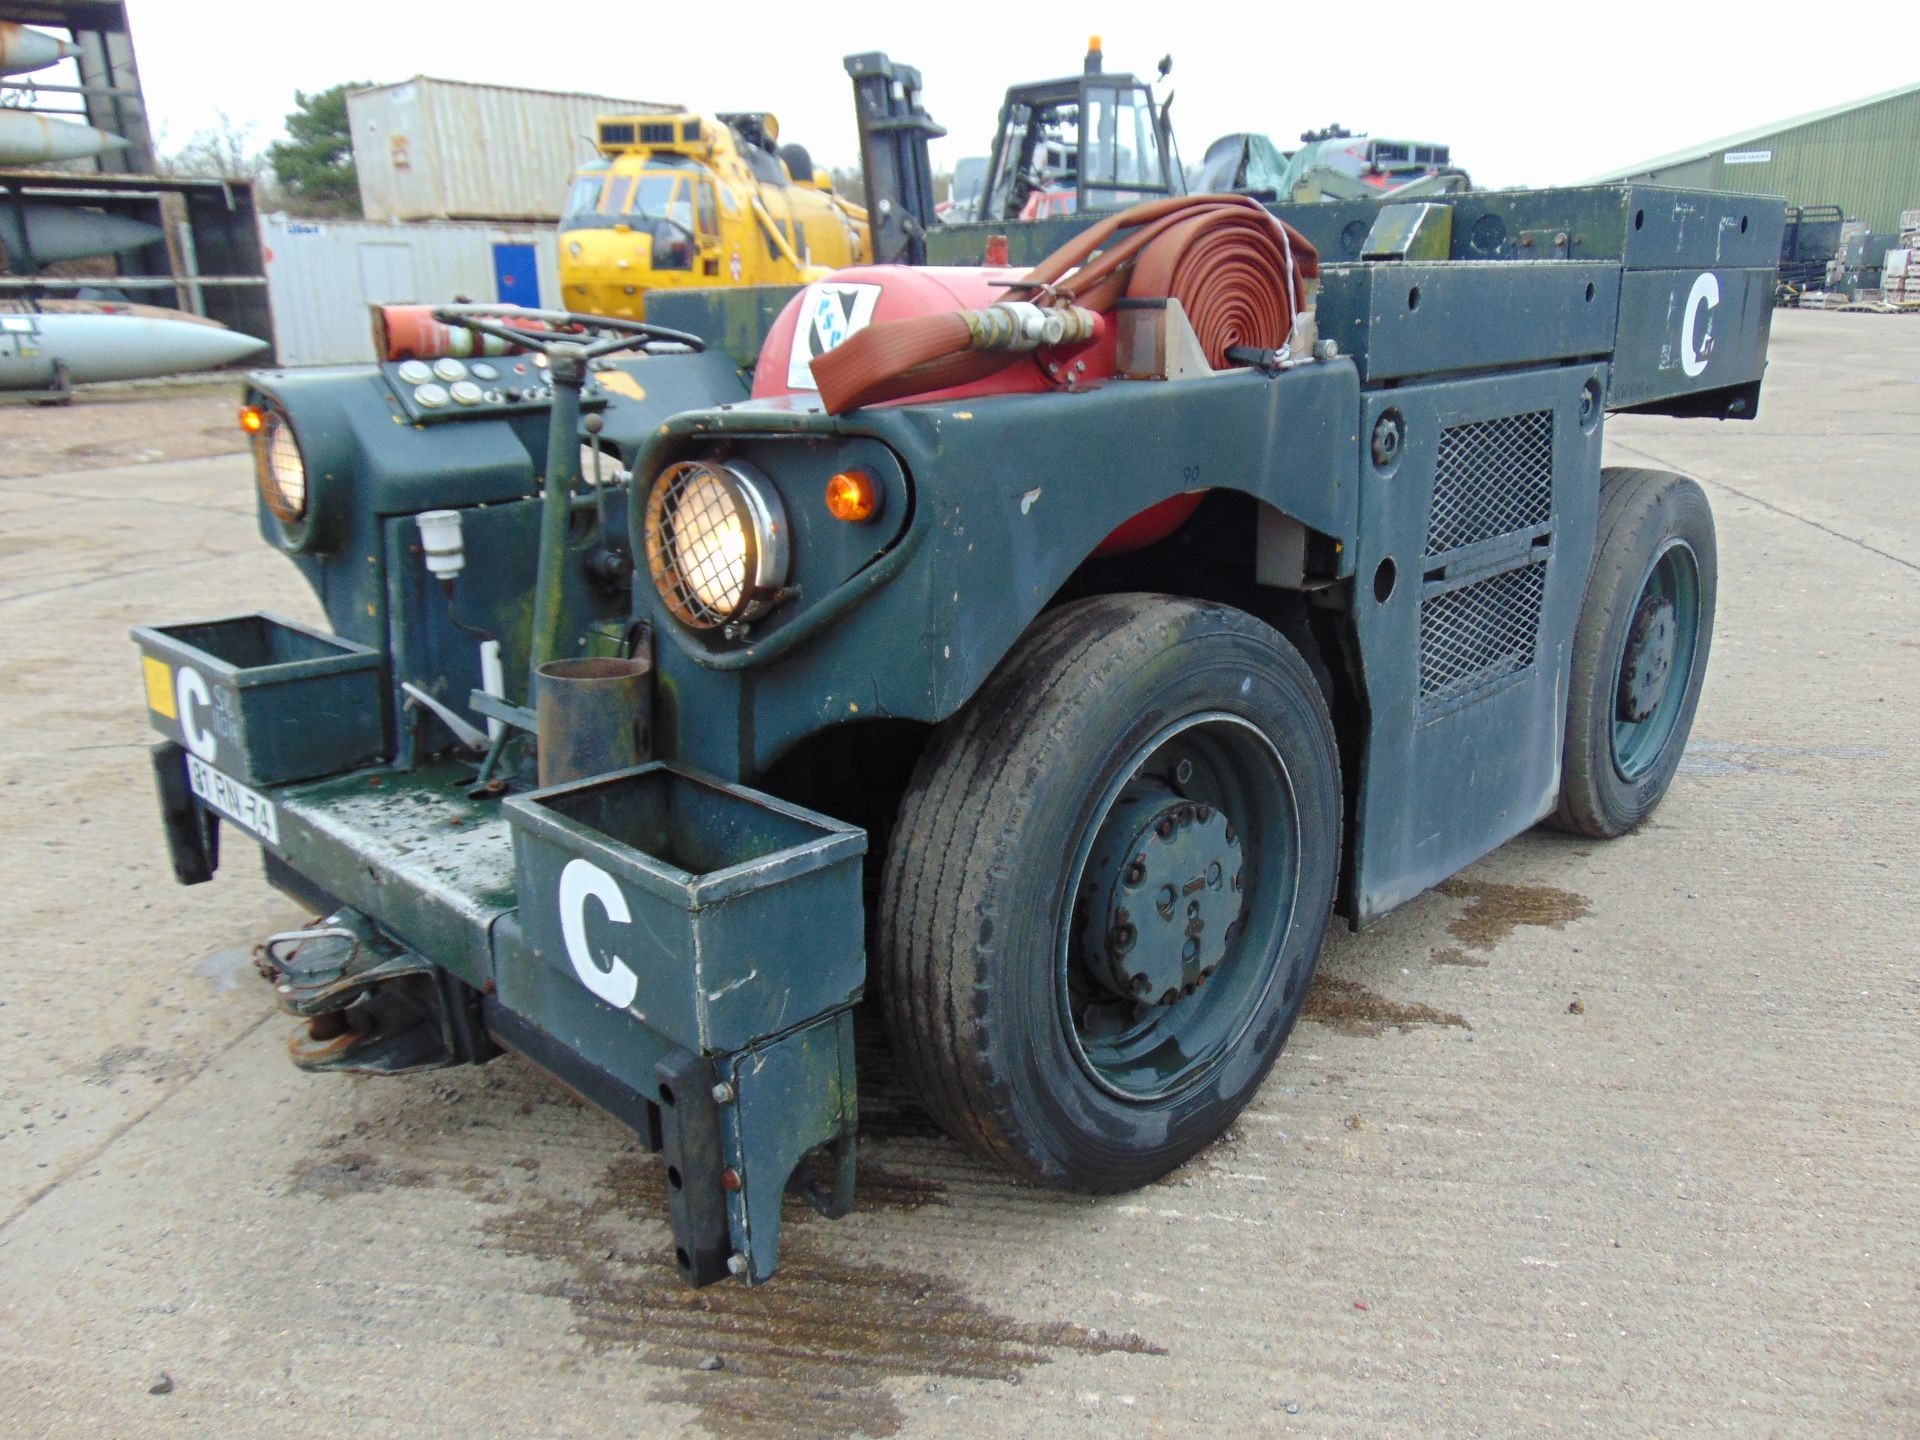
pixel 129 1062
pixel 1495 911
pixel 1718 758
pixel 809 1354
pixel 1453 955
pixel 227 968
pixel 1353 1009
pixel 353 1172
pixel 889 1110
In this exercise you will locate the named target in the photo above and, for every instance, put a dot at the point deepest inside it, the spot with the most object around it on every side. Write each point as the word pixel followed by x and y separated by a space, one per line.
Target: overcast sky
pixel 1526 96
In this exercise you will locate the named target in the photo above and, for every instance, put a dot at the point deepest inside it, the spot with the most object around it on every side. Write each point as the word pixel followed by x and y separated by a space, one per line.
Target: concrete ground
pixel 1620 1139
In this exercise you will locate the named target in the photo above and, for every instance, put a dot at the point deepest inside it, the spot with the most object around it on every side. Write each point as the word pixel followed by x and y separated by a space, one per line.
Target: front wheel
pixel 1108 887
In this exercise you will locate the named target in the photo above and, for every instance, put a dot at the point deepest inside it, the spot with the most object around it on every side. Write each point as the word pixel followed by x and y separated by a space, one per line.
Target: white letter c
pixel 188 688
pixel 1706 295
pixel 616 984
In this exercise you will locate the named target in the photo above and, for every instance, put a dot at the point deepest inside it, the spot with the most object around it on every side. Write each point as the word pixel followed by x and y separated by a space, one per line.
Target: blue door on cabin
pixel 516 275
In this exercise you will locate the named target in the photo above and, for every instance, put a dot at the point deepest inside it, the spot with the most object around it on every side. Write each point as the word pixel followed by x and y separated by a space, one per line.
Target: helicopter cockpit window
pixel 663 205
pixel 584 196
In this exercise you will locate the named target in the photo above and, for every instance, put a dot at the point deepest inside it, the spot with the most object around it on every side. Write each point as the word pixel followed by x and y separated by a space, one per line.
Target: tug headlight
pixel 716 539
pixel 280 467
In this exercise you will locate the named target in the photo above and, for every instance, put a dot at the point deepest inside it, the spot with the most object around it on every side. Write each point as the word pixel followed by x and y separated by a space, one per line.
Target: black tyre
pixel 1108 886
pixel 1640 653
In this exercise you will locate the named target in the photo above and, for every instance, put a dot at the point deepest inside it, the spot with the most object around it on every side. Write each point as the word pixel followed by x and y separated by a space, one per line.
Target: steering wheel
pixel 560 331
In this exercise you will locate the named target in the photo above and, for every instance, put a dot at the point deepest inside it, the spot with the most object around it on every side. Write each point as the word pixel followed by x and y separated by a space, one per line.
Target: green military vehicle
pixel 1054 694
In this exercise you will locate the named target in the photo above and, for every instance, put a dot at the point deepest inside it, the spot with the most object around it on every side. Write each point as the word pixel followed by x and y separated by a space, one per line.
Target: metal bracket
pixel 193 832
pixel 793 1097
pixel 696 1169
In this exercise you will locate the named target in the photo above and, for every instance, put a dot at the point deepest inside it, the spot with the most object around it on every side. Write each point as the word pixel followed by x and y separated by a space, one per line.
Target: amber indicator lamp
pixel 852 495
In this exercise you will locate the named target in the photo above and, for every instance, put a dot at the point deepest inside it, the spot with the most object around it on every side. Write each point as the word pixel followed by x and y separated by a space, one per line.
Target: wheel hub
pixel 1648 661
pixel 1162 895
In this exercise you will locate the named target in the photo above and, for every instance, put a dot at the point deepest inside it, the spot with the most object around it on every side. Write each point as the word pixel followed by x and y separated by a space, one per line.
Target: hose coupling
pixel 1022 325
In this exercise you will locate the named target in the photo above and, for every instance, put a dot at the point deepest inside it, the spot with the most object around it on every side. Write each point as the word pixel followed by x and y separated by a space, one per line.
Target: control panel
pixel 450 388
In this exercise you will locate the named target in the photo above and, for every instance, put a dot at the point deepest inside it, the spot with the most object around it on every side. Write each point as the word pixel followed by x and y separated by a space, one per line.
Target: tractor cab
pixel 674 201
pixel 1092 141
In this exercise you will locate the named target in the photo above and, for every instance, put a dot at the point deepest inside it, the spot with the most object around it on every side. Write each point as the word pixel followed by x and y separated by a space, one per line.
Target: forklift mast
pixel 894 134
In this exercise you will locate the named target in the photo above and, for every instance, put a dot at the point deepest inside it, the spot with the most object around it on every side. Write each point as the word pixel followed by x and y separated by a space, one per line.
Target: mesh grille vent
pixel 1479 634
pixel 1493 477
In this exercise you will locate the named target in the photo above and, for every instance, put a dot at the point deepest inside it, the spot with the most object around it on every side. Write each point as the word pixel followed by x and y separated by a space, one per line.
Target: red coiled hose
pixel 1239 273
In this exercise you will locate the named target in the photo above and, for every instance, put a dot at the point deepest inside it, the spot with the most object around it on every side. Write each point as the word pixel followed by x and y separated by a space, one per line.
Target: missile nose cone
pixel 136 347
pixel 233 347
pixel 47 233
pixel 22 49
pixel 30 139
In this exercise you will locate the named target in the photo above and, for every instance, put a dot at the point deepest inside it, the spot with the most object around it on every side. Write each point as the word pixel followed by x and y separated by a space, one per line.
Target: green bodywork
pixel 1334 485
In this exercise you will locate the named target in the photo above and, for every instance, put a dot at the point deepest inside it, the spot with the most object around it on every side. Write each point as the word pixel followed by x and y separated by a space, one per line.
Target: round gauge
pixel 431 396
pixel 481 370
pixel 415 372
pixel 450 369
pixel 464 392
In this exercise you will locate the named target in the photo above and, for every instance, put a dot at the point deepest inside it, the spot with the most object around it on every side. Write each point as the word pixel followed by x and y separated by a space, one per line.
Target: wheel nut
pixel 1203 813
pixel 1122 938
pixel 1141 984
pixel 1136 872
pixel 1165 827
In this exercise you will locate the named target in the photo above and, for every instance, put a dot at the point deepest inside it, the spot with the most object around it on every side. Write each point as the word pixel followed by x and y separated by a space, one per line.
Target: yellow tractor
pixel 683 200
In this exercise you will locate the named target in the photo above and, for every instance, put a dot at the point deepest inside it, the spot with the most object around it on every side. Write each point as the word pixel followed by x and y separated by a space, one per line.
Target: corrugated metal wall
pixel 322 276
pixel 1866 161
pixel 431 149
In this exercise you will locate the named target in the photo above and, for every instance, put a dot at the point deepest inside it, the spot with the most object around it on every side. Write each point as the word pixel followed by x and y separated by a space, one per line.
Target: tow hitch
pixel 367 1004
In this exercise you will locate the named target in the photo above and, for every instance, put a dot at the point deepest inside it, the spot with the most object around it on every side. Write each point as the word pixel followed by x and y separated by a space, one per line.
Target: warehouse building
pixel 1863 156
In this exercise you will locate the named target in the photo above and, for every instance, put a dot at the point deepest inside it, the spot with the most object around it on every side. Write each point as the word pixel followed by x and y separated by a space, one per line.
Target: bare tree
pixel 225 150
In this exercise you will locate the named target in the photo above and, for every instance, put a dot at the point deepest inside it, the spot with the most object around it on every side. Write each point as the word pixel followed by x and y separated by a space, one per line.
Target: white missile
pixel 34 349
pixel 22 49
pixel 46 233
pixel 30 139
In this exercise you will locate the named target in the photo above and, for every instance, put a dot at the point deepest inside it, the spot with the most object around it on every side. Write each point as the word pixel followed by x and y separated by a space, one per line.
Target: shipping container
pixel 322 275
pixel 430 149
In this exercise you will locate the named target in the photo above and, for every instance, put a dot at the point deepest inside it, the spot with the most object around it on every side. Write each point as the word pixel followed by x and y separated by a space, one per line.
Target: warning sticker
pixel 829 313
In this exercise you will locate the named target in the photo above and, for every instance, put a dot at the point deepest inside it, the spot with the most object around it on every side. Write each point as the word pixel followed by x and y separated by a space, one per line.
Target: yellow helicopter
pixel 684 200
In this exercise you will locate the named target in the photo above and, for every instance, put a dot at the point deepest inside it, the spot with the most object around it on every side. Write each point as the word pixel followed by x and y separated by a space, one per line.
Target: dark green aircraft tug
pixel 685 683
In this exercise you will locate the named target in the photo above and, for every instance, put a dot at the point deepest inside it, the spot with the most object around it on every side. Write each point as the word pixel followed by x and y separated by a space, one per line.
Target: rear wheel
pixel 1108 887
pixel 1640 653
